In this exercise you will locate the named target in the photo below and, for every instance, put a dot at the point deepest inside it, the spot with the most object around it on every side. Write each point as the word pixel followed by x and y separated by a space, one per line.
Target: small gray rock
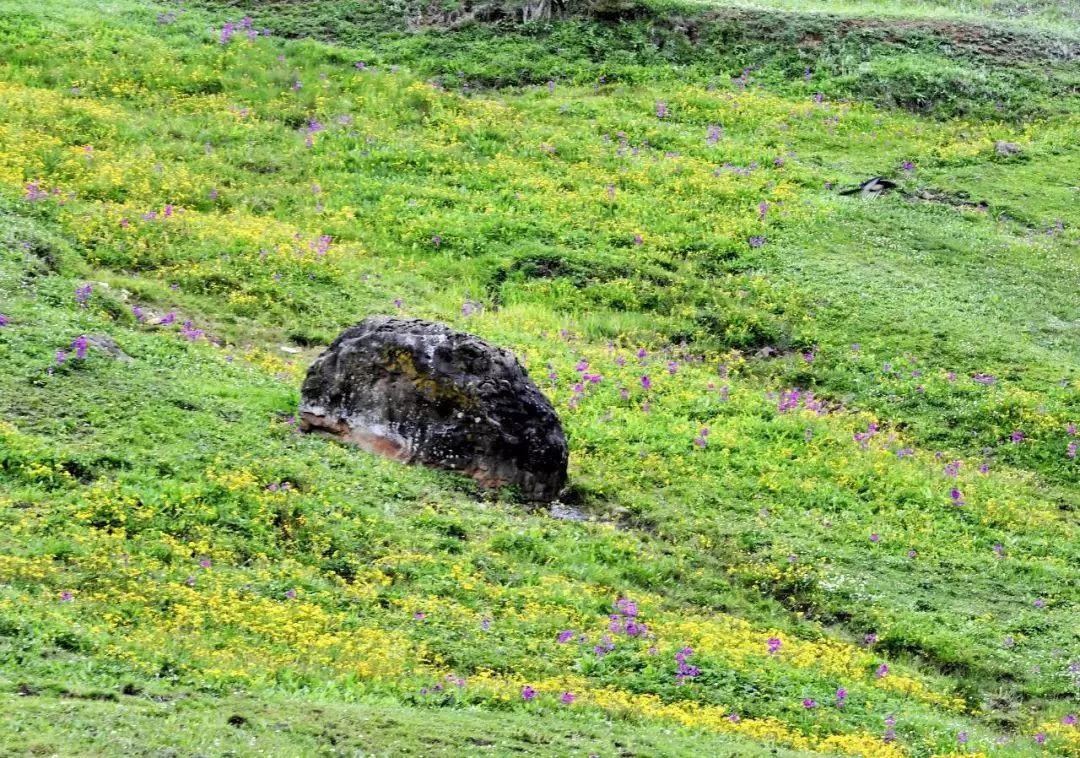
pixel 107 345
pixel 420 392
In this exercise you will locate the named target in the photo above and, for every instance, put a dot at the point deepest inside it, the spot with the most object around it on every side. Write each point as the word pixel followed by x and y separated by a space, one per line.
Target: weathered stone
pixel 1007 148
pixel 420 392
pixel 107 345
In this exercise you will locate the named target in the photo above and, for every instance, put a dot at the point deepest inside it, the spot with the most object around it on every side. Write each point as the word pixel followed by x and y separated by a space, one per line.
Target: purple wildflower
pixel 290 594
pixel 3 320
pixel 773 645
pixel 661 109
pixel 35 193
pixel 528 693
pixel 565 636
pixel 79 346
pixel 701 440
pixel 436 240
pixel 685 670
pixel 809 703
pixel 1039 603
pixel 568 698
pixel 1017 436
pixel 907 166
pixel 604 647
pixel 882 671
pixel 83 293
pixel 190 332
pixel 61 356
pixel 841 697
pixel 757 241
pixel 646 382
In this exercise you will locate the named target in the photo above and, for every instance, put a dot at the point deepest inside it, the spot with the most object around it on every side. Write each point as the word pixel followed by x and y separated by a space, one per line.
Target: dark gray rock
pixel 420 392
pixel 873 187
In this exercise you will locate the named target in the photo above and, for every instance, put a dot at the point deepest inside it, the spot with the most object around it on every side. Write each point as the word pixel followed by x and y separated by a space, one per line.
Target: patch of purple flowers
pixel 685 670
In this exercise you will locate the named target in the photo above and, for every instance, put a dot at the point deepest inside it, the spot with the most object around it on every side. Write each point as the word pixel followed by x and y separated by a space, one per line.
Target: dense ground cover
pixel 839 516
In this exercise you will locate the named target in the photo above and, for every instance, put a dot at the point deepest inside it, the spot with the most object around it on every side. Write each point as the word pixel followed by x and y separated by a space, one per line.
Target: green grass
pixel 157 578
pixel 1052 15
pixel 185 725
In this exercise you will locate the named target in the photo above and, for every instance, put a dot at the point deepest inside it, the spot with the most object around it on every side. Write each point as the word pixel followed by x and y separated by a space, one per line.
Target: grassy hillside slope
pixel 840 519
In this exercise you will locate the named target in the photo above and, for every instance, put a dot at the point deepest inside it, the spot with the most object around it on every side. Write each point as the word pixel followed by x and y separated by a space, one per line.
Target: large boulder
pixel 420 392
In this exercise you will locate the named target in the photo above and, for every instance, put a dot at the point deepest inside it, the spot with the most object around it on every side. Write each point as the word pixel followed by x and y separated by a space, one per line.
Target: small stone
pixel 107 345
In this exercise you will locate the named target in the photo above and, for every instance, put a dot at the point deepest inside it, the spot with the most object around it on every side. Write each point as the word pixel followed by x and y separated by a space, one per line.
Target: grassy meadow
pixel 824 476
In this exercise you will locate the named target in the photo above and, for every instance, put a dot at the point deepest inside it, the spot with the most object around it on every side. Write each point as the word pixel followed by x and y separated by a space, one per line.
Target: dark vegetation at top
pixel 940 68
